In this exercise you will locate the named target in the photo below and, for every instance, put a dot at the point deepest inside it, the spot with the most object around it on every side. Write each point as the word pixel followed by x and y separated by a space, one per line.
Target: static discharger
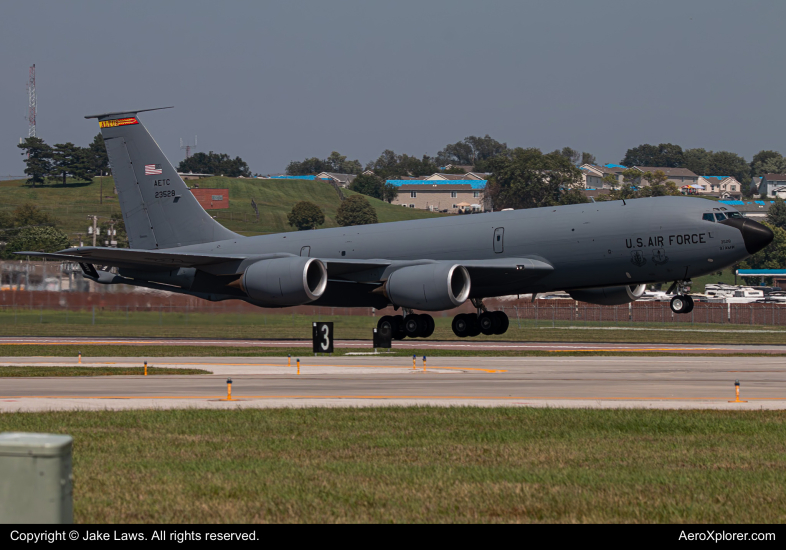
pixel 229 391
pixel 145 368
pixel 737 390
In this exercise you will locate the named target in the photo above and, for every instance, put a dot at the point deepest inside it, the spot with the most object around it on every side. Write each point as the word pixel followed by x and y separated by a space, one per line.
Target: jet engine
pixel 610 296
pixel 284 282
pixel 430 287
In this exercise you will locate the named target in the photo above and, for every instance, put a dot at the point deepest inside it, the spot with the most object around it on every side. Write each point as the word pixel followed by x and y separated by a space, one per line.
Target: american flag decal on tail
pixel 153 170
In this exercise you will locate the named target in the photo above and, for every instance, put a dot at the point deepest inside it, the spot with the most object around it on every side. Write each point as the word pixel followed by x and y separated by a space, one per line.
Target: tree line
pixel 45 162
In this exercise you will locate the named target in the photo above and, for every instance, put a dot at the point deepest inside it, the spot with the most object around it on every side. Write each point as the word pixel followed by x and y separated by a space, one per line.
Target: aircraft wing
pixel 128 257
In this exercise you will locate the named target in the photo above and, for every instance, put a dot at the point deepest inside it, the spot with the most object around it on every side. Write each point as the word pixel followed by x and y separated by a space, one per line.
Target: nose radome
pixel 755 235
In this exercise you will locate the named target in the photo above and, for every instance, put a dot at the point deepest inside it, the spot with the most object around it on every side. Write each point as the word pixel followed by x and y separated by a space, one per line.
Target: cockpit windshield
pixel 708 218
pixel 734 215
pixel 720 217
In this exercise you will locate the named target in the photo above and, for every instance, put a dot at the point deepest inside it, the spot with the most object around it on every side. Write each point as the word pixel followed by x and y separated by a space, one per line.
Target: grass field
pixel 28 372
pixel 423 465
pixel 72 203
pixel 184 324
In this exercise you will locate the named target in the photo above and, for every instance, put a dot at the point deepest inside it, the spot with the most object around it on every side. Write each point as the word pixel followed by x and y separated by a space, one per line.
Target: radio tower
pixel 31 103
pixel 188 147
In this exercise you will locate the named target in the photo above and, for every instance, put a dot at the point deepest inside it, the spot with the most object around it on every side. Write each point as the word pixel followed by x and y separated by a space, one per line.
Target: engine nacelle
pixel 283 282
pixel 610 296
pixel 430 287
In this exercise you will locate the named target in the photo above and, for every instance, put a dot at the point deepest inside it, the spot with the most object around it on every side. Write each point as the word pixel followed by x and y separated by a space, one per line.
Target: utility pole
pixel 101 192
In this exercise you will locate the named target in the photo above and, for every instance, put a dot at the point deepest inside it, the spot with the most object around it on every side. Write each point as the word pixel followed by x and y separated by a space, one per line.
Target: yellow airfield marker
pixel 737 390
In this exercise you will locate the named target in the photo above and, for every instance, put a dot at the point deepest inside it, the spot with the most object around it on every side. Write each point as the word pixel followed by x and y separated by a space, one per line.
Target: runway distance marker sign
pixel 322 337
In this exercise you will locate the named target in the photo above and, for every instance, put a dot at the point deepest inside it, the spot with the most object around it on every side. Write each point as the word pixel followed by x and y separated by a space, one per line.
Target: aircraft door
pixel 499 233
pixel 305 251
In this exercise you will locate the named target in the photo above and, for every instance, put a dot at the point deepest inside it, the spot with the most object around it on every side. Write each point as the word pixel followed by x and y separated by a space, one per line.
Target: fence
pixel 118 308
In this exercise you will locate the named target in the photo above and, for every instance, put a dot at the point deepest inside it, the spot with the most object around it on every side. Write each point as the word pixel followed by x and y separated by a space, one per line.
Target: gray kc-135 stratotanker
pixel 601 253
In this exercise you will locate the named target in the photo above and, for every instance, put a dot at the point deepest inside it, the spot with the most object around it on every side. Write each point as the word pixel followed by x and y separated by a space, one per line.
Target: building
pixel 212 199
pixel 778 275
pixel 725 187
pixel 594 175
pixel 342 180
pixel 448 196
pixel 679 176
pixel 773 185
pixel 455 177
pixel 466 167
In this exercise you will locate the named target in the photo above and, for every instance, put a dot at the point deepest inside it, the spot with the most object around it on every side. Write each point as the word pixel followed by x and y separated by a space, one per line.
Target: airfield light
pixel 737 391
pixel 229 389
pixel 145 368
pixel 424 363
pixel 414 358
pixel 80 357
pixel 289 360
pixel 298 367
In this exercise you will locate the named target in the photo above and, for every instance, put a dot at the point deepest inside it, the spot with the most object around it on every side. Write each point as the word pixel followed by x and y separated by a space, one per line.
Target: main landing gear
pixel 682 302
pixel 486 322
pixel 412 325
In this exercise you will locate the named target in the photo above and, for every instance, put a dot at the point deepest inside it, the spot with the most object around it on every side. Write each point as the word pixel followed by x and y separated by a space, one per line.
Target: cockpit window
pixel 720 217
pixel 734 215
pixel 708 218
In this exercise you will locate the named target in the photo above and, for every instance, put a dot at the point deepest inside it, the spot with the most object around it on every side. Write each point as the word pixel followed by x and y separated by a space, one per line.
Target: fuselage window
pixel 720 217
pixel 708 218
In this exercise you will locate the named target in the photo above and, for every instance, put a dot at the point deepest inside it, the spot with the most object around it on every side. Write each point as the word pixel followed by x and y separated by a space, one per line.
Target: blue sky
pixel 280 81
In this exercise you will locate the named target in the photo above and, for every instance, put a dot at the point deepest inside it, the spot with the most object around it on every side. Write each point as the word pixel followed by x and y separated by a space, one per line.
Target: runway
pixel 468 344
pixel 606 382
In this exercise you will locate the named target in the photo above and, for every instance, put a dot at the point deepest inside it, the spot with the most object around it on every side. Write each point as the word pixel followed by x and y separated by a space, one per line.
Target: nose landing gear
pixel 682 302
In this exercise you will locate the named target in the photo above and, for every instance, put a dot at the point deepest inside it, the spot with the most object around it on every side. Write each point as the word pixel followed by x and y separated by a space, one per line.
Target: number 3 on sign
pixel 322 337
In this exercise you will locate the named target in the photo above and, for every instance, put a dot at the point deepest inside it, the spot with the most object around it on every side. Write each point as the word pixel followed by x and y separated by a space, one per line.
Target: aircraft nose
pixel 755 235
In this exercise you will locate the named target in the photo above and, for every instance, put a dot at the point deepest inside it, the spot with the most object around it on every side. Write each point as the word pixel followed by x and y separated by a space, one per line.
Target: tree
pixel 355 210
pixel 772 256
pixel 571 154
pixel 530 179
pixel 335 163
pixel 389 192
pixel 219 164
pixel 389 165
pixel 725 163
pixel 698 161
pixel 99 158
pixel 587 158
pixel 777 213
pixel 37 239
pixel 659 185
pixel 28 214
pixel 665 154
pixel 368 184
pixel 761 158
pixel 306 215
pixel 774 166
pixel 471 151
pixel 38 161
pixel 68 159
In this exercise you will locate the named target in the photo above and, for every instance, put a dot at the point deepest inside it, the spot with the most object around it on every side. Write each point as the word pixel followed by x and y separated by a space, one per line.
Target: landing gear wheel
pixel 474 325
pixel 682 304
pixel 489 322
pixel 413 326
pixel 428 321
pixel 504 323
pixel 460 325
pixel 398 327
pixel 386 326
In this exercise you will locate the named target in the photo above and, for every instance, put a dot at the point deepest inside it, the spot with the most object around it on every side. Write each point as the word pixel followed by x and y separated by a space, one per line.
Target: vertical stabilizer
pixel 158 208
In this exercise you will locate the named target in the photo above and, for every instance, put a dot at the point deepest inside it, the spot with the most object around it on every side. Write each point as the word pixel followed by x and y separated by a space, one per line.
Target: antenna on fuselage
pixel 623 202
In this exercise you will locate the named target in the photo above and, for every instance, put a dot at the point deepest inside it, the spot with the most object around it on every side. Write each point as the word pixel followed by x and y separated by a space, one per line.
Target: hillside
pixel 73 203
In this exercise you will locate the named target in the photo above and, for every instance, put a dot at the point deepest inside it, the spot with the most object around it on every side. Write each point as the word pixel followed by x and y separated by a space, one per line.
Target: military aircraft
pixel 602 253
